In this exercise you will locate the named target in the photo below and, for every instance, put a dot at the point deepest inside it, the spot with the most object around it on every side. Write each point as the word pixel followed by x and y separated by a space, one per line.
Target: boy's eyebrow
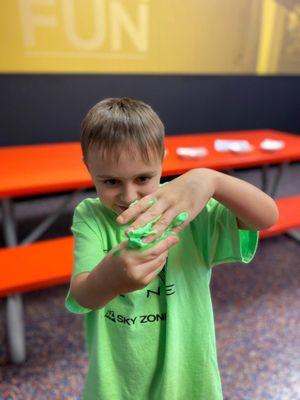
pixel 135 176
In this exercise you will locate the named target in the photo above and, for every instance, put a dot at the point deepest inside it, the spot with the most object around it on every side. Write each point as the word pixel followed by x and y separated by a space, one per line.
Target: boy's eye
pixel 143 179
pixel 110 182
pixel 115 182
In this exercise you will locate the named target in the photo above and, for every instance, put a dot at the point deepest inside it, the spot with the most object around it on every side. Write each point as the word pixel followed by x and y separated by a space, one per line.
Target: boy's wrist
pixel 100 286
pixel 210 177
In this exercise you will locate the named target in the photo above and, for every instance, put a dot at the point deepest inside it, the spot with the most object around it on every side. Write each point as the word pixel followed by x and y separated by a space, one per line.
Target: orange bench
pixel 25 268
pixel 35 266
pixel 289 216
pixel 47 263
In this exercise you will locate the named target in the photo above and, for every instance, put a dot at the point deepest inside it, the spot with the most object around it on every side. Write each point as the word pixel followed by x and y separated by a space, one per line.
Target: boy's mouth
pixel 122 208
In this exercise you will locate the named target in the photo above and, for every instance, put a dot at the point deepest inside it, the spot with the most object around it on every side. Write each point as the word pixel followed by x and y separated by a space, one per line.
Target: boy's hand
pixel 188 193
pixel 130 270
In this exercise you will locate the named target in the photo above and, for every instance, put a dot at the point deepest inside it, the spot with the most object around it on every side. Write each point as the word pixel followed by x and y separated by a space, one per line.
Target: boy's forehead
pixel 128 163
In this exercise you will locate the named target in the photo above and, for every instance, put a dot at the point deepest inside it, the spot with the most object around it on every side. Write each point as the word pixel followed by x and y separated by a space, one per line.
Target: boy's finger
pixel 132 212
pixel 162 224
pixel 162 246
pixel 154 273
pixel 115 251
pixel 149 215
pixel 152 265
pixel 179 228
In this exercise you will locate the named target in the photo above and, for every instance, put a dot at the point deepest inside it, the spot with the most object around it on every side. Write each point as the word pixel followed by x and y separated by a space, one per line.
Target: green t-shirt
pixel 157 343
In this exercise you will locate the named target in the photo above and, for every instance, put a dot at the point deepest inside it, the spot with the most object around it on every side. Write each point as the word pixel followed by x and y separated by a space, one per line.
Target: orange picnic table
pixel 228 160
pixel 55 168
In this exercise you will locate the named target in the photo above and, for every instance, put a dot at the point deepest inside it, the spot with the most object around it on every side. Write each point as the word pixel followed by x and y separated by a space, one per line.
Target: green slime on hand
pixel 136 241
pixel 151 202
pixel 136 236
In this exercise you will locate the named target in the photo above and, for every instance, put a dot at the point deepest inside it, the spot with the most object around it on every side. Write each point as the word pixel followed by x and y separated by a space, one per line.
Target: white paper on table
pixel 272 145
pixel 191 152
pixel 237 146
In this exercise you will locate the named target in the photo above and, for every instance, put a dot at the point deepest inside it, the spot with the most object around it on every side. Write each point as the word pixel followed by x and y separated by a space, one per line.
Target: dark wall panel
pixel 49 108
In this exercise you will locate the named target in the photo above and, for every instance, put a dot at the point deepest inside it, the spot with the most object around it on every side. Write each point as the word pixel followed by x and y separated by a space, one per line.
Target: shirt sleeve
pixel 88 252
pixel 220 239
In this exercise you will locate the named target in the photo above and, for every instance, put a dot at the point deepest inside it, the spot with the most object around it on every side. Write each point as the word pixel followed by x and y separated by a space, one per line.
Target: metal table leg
pixel 266 185
pixel 293 234
pixel 16 329
pixel 281 168
pixel 264 177
pixel 14 304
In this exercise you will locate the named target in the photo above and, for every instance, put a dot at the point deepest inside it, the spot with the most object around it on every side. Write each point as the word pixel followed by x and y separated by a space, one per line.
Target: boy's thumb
pixel 115 251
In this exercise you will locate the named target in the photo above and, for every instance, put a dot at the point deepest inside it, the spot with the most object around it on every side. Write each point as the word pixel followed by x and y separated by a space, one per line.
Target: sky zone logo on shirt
pixel 141 319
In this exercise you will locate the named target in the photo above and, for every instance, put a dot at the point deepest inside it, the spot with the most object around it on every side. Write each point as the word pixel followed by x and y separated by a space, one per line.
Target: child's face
pixel 119 184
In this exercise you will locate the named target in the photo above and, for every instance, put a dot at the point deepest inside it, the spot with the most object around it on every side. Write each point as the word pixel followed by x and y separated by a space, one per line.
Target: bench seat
pixel 289 216
pixel 35 266
pixel 50 262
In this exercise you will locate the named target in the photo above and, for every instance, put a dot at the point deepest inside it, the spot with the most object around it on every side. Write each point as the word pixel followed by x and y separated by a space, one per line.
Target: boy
pixel 148 313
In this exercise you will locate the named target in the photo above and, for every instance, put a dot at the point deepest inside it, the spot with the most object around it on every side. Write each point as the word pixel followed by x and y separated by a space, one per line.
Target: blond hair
pixel 117 124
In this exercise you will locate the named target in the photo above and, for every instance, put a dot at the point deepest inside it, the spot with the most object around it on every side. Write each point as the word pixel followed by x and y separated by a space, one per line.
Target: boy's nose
pixel 128 196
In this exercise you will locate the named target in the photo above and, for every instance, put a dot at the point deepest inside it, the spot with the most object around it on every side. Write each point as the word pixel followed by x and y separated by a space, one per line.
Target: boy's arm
pixel 253 208
pixel 89 292
pixel 191 191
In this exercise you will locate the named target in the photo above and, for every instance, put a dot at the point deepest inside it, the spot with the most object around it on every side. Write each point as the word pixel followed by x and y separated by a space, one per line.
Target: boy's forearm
pixel 253 208
pixel 95 291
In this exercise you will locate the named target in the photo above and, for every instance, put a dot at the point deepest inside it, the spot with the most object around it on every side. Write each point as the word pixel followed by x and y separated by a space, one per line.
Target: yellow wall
pixel 150 36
